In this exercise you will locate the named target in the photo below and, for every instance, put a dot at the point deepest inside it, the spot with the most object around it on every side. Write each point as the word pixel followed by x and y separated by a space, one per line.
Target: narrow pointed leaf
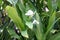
pixel 51 22
pixel 12 13
pixel 39 28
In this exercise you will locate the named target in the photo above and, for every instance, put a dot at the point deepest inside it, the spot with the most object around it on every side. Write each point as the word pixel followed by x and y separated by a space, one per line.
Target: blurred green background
pixel 29 19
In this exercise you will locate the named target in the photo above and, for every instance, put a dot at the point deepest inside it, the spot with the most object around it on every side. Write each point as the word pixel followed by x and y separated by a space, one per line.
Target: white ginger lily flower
pixel 35 22
pixel 46 9
pixel 29 13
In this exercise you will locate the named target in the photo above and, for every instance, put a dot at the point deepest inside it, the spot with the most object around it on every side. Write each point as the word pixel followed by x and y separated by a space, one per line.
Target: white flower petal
pixel 58 11
pixel 16 28
pixel 35 22
pixel 1 8
pixel 18 31
pixel 1 30
pixel 47 10
pixel 53 31
pixel 29 13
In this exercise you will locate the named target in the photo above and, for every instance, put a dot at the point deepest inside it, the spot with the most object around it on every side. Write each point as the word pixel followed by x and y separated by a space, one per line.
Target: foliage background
pixel 15 25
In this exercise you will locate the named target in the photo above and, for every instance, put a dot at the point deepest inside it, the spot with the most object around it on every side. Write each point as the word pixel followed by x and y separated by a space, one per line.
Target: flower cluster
pixel 31 13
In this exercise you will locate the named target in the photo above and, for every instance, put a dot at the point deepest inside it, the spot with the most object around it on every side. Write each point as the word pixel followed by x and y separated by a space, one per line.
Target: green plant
pixel 34 19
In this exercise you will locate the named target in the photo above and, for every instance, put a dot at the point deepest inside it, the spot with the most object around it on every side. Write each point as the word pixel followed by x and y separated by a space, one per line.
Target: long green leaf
pixel 12 13
pixel 39 28
pixel 51 22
